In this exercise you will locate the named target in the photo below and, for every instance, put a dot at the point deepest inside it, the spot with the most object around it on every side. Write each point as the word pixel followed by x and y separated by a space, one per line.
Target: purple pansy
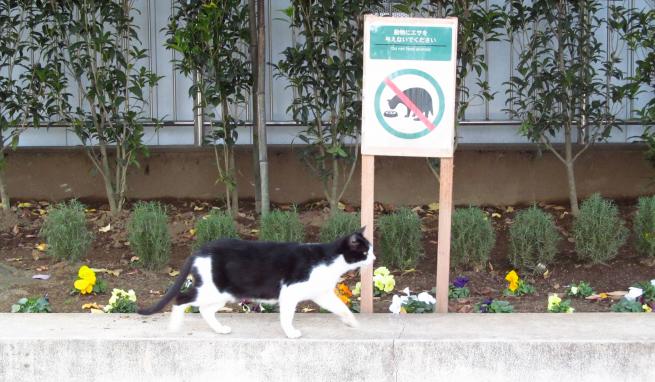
pixel 460 281
pixel 484 306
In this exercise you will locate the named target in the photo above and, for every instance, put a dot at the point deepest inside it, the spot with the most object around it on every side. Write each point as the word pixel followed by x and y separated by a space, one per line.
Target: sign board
pixel 408 100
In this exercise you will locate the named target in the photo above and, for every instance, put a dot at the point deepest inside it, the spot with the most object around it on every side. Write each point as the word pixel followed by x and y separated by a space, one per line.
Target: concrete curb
pixel 430 347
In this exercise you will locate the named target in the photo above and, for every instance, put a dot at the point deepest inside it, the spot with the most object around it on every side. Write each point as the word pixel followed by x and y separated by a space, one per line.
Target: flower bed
pixel 24 255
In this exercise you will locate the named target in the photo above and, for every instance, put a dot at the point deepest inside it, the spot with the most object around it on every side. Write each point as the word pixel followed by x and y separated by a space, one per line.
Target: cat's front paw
pixel 223 329
pixel 293 333
pixel 351 321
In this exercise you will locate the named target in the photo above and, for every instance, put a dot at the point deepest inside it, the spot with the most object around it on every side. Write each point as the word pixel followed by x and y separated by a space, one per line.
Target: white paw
pixel 223 329
pixel 351 321
pixel 293 333
pixel 174 327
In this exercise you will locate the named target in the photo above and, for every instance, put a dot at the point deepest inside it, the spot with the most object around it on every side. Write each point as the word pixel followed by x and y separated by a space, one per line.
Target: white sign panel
pixel 408 101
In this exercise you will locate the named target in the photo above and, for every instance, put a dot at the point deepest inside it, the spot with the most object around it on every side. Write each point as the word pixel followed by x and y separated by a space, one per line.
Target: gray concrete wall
pixel 429 347
pixel 489 176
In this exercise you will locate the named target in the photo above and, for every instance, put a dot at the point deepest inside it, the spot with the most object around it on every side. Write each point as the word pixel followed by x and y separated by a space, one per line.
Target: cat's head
pixel 356 249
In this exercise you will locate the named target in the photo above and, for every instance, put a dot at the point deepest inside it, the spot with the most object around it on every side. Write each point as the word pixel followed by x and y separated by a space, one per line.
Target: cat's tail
pixel 173 291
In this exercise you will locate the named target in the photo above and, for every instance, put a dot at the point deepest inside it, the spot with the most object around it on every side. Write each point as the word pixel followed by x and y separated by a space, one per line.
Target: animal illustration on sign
pixel 419 97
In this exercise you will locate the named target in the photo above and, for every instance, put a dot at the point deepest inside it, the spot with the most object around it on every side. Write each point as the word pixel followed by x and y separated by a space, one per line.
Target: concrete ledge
pixel 455 347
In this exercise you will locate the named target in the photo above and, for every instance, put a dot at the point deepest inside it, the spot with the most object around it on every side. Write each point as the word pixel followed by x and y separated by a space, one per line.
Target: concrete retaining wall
pixel 498 176
pixel 518 347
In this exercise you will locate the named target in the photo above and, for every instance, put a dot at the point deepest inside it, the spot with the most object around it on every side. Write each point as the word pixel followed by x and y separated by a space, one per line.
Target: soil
pixel 20 260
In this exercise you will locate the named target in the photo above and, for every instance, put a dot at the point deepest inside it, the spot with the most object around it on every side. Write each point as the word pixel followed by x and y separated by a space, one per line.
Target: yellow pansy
pixel 513 280
pixel 553 301
pixel 646 308
pixel 86 281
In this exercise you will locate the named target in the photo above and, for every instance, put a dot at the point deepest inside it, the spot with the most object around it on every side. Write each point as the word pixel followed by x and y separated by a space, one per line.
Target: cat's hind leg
pixel 177 317
pixel 208 312
pixel 330 301
pixel 182 301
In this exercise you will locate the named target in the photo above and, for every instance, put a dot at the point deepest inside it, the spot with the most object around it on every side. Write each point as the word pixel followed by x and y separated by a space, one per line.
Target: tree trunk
pixel 334 200
pixel 109 187
pixel 4 196
pixel 261 114
pixel 570 174
pixel 254 62
pixel 233 175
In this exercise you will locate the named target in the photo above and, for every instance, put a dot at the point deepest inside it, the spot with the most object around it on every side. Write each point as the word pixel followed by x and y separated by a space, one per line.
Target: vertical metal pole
pixel 368 199
pixel 198 120
pixel 261 109
pixel 443 240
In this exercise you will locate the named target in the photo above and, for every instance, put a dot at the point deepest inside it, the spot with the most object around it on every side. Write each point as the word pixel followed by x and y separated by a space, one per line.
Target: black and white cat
pixel 232 270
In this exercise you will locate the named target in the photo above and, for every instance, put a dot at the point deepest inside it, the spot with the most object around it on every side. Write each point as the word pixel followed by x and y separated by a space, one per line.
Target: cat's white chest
pixel 321 279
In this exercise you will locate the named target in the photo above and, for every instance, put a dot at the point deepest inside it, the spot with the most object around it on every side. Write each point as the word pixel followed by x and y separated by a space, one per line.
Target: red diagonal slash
pixel 419 114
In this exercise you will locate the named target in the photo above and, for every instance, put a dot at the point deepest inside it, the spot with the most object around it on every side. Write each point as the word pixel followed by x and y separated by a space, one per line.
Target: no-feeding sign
pixel 408 101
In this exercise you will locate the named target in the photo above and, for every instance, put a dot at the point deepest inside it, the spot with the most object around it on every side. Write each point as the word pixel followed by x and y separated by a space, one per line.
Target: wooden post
pixel 368 199
pixel 443 240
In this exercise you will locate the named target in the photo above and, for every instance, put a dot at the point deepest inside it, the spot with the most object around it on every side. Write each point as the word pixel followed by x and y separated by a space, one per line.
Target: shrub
pixel 400 239
pixel 598 230
pixel 339 224
pixel 148 234
pixel 533 239
pixel 473 237
pixel 644 226
pixel 281 226
pixel 216 225
pixel 65 231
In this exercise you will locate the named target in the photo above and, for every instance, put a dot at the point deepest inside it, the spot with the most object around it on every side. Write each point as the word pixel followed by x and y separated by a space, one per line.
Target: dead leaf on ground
pixel 134 258
pixel 36 255
pixel 509 209
pixel 92 305
pixel 307 310
pixel 155 292
pixel 42 247
pixel 105 229
pixel 12 259
pixel 42 268
pixel 434 206
pixel 112 272
pixel 617 294
pixel 465 309
pixel 486 291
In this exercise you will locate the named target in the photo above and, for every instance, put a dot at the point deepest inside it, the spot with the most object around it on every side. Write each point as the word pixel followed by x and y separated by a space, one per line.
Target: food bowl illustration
pixel 390 113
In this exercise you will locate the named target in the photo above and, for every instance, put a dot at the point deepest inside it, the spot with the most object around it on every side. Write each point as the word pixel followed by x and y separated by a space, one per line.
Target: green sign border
pixel 437 118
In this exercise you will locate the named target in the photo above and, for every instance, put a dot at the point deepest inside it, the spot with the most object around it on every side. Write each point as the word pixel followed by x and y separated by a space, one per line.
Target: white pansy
pixel 574 290
pixel 396 304
pixel 633 293
pixel 426 298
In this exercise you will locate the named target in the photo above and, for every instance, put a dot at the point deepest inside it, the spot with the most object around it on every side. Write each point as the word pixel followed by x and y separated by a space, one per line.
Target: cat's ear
pixel 353 242
pixel 356 242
